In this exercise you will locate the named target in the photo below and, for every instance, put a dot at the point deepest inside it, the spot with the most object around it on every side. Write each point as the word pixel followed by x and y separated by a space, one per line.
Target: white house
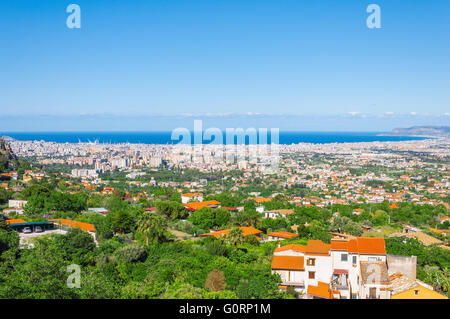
pixel 186 198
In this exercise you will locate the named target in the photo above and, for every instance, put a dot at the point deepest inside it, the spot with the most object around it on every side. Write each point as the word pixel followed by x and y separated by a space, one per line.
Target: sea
pixel 166 137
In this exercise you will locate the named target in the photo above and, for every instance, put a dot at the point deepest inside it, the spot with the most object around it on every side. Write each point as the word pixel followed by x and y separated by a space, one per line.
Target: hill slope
pixel 441 131
pixel 7 157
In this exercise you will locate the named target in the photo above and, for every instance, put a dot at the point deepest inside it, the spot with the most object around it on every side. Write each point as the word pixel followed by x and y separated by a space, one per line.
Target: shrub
pixel 131 253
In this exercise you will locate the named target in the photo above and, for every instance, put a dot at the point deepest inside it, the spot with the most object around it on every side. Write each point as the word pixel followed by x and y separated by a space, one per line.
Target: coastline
pixel 164 137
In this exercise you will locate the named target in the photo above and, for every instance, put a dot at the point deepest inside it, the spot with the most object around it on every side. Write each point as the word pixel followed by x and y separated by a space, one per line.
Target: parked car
pixel 27 230
pixel 38 229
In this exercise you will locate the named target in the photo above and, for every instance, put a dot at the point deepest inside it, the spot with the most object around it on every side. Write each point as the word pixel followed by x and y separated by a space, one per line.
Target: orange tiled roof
pixel 295 247
pixel 246 231
pixel 317 247
pixel 371 245
pixel 353 245
pixel 15 221
pixel 192 194
pixel 75 224
pixel 339 244
pixel 283 234
pixel 262 199
pixel 321 290
pixel 288 262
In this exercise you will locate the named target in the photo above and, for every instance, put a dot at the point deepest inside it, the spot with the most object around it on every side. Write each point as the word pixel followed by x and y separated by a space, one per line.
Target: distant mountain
pixel 7 157
pixel 438 131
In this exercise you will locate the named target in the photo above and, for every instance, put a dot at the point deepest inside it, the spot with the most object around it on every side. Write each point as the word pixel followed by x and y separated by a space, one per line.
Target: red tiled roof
pixel 283 234
pixel 339 244
pixel 317 247
pixel 198 205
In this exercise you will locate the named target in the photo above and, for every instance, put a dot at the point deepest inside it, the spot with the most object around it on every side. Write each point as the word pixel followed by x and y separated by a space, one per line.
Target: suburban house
pixel 193 206
pixel 289 262
pixel 186 198
pixel 280 235
pixel 347 268
pixel 15 207
pixel 283 213
pixel 404 287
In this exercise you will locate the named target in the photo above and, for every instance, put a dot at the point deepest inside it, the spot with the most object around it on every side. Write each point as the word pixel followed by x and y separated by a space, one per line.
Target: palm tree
pixel 234 237
pixel 153 226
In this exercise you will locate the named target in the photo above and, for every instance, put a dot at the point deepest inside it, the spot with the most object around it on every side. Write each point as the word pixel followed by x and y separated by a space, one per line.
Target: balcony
pixel 340 281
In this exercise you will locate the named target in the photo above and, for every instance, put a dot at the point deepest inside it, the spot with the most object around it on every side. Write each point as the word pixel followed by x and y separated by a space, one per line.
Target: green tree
pixel 40 272
pixel 123 221
pixel 153 226
pixel 234 237
pixel 345 224
pixel 172 210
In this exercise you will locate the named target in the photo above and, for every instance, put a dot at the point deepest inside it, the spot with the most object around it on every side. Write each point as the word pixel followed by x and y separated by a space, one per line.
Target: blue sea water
pixel 165 137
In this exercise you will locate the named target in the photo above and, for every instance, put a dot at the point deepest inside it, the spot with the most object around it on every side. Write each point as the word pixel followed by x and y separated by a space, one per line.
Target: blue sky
pixel 158 58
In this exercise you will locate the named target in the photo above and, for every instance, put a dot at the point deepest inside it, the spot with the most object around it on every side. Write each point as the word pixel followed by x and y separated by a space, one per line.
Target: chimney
pixel 279 244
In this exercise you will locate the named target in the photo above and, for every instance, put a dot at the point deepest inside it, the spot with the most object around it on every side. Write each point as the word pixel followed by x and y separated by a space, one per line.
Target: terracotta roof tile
pixel 295 247
pixel 321 290
pixel 288 262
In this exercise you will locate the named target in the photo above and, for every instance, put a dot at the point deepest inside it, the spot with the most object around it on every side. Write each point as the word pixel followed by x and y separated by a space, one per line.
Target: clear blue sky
pixel 171 57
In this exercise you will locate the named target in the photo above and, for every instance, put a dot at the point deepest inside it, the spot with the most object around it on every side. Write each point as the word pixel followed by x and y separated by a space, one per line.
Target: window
pixel 344 257
pixel 311 262
pixel 312 274
pixel 354 261
pixel 354 296
pixel 416 292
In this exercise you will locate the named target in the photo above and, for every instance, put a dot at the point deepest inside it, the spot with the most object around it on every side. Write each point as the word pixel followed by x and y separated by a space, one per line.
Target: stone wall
pixel 403 264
